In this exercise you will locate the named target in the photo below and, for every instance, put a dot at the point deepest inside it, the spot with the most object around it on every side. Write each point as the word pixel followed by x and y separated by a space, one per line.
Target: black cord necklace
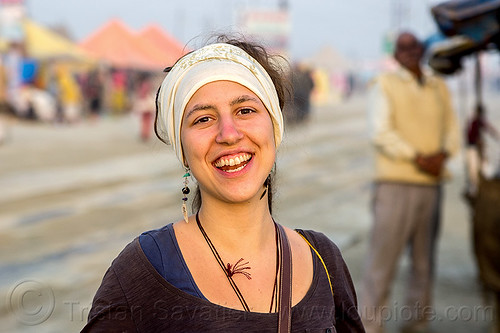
pixel 240 267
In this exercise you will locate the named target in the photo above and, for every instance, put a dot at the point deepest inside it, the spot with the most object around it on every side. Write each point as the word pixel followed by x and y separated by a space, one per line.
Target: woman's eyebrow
pixel 199 107
pixel 244 98
pixel 237 100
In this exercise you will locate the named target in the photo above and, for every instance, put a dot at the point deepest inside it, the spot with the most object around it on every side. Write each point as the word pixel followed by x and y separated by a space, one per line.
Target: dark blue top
pixel 134 298
pixel 161 248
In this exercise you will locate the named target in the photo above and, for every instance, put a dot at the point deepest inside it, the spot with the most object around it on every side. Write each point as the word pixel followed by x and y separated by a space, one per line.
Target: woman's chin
pixel 242 197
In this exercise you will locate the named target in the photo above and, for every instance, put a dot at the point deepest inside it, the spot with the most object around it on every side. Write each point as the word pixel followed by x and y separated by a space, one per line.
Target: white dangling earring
pixel 185 191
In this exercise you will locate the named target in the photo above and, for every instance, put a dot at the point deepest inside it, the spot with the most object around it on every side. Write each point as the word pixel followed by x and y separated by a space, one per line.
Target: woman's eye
pixel 202 120
pixel 246 111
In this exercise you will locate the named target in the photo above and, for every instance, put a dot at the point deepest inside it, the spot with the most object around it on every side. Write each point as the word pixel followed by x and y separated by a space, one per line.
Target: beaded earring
pixel 185 192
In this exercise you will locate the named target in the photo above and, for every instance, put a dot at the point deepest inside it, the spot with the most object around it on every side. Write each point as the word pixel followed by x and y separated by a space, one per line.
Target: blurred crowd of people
pixel 64 91
pixel 315 86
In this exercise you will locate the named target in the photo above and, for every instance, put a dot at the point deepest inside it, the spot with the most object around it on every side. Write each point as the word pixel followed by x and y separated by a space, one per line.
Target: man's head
pixel 408 52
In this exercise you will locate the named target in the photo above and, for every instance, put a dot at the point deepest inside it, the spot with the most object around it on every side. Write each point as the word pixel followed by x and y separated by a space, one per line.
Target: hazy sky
pixel 354 27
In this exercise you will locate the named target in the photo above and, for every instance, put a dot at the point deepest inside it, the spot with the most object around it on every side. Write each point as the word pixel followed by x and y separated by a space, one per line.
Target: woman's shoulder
pixel 342 284
pixel 328 251
pixel 319 239
pixel 160 246
pixel 129 254
pixel 135 247
pixel 158 231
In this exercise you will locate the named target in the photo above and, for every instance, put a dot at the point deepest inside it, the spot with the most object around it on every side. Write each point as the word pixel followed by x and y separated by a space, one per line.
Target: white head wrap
pixel 215 62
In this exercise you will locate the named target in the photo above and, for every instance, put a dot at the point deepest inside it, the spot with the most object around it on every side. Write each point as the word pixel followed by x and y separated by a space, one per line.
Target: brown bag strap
pixel 285 287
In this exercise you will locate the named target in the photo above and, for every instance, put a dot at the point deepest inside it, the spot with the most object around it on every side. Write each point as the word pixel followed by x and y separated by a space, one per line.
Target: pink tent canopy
pixel 118 45
pixel 172 49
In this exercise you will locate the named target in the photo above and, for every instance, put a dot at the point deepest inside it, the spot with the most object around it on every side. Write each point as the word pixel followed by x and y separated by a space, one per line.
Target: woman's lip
pixel 231 154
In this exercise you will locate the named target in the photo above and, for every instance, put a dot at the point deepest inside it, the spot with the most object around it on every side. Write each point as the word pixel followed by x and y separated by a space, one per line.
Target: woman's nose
pixel 229 132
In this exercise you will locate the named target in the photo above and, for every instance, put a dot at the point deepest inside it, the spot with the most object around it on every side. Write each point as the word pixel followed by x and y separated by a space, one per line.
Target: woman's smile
pixel 232 163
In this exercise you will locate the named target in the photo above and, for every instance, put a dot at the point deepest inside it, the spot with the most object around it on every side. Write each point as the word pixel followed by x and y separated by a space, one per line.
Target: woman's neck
pixel 237 226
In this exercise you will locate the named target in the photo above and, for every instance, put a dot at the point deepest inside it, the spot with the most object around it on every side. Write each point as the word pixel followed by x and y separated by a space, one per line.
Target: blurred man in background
pixel 414 133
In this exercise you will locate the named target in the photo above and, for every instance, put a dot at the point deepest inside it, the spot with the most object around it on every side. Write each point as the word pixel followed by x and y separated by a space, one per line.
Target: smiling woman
pixel 231 141
pixel 229 267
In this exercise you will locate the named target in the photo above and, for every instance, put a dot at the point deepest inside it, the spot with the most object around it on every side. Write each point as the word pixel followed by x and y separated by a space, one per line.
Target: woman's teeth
pixel 237 169
pixel 227 163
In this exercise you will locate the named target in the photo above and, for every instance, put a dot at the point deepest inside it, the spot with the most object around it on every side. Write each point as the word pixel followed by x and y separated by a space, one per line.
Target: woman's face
pixel 228 142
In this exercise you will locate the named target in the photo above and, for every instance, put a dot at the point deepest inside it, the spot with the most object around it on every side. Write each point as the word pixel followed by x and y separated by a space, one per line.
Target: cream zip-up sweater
pixel 409 118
